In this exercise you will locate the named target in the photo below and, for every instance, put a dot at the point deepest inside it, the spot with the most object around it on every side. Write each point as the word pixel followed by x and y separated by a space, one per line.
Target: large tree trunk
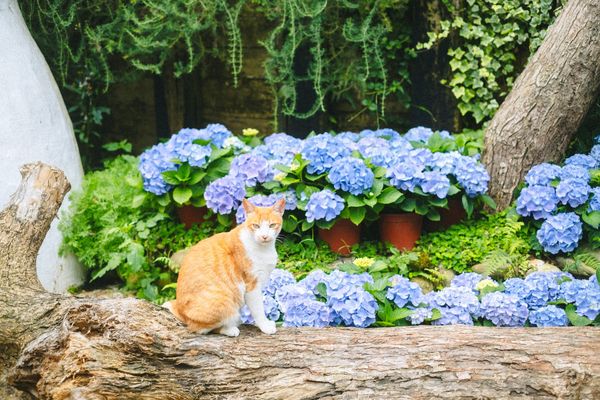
pixel 58 347
pixel 548 101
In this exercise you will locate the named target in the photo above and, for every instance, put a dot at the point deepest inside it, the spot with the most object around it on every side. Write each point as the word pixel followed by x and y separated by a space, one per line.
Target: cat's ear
pixel 248 207
pixel 279 206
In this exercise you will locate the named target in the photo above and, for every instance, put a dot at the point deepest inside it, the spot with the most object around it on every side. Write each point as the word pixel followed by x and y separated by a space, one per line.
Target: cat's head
pixel 264 223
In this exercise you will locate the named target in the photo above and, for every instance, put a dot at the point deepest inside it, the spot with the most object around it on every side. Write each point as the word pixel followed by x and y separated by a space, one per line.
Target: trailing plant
pixel 496 36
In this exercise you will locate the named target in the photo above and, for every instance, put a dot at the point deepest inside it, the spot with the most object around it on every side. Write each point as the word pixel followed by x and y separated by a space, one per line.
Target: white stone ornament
pixel 34 126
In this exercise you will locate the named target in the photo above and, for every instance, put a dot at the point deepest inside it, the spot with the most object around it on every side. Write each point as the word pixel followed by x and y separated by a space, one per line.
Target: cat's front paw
pixel 268 327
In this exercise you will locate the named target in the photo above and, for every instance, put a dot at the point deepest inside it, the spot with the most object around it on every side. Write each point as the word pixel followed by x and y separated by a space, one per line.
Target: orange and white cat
pixel 221 273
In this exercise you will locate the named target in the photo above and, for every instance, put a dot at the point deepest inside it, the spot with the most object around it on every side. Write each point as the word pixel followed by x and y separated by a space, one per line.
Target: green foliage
pixel 494 37
pixel 116 228
pixel 302 255
pixel 466 244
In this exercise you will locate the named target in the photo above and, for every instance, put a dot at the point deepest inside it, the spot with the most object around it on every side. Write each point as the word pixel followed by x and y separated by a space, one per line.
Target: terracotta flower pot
pixel 341 237
pixel 401 230
pixel 454 214
pixel 190 215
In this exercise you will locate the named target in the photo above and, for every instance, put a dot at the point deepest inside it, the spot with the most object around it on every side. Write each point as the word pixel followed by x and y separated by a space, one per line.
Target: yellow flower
pixel 485 284
pixel 279 177
pixel 250 132
pixel 364 262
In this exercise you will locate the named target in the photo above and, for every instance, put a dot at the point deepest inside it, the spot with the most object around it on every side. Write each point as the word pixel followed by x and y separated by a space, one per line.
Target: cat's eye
pixel 273 226
pixel 255 226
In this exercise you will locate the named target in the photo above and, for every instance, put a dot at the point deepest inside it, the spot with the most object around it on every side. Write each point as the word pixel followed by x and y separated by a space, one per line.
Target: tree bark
pixel 548 101
pixel 60 347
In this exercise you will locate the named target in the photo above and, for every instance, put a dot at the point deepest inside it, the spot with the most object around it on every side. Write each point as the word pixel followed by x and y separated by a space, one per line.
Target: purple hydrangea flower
pixel 435 182
pixel 573 192
pixel 405 175
pixel 472 176
pixel 560 233
pixel 582 160
pixel 351 175
pixel 403 292
pixel 251 169
pixel 324 205
pixel 542 174
pixel 224 194
pixel 322 151
pixel 548 316
pixel 537 201
pixel 503 309
pixel 419 315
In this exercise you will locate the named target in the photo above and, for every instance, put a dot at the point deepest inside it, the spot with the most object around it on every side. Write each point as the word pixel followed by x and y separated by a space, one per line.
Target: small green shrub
pixel 464 245
pixel 114 227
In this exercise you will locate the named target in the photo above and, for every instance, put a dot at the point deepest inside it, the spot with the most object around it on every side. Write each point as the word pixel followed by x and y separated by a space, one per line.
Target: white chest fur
pixel 263 257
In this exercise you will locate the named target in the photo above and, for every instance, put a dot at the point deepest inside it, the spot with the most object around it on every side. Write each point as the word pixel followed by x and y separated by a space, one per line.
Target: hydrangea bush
pixel 345 299
pixel 563 202
pixel 323 177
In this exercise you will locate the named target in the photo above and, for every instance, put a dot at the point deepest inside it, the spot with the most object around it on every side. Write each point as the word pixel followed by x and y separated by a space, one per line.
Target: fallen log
pixel 63 347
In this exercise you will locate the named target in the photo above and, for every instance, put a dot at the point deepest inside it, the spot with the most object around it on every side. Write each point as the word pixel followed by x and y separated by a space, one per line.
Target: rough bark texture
pixel 57 347
pixel 548 101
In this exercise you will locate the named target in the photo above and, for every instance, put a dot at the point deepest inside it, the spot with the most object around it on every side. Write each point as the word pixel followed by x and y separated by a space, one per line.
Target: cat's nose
pixel 264 238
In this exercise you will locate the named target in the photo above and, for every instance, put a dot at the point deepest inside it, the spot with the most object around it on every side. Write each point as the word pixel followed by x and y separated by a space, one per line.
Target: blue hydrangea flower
pixel 186 150
pixel 560 233
pixel 542 174
pixel 348 137
pixel 544 287
pixel 518 287
pixel 153 162
pixel 471 175
pixel 571 290
pixel 278 279
pixel 537 201
pixel 288 295
pixel 585 161
pixel 573 192
pixel 468 280
pixel 338 279
pixel 307 313
pixel 548 316
pixel 324 205
pixel 595 152
pixel 594 204
pixel 218 134
pixel 400 146
pixel 421 156
pixel 444 162
pixel 313 278
pixel 224 194
pixel 352 306
pixel 403 292
pixel 435 182
pixel 283 139
pixel 377 150
pixel 503 309
pixel 322 151
pixel 418 134
pixel 251 168
pixel 271 311
pixel 457 305
pixel 419 315
pixel 388 134
pixel 351 175
pixel 405 175
pixel 574 172
pixel 588 305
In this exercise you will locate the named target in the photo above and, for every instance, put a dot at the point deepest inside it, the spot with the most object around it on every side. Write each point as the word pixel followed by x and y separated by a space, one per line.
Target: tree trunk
pixel 59 347
pixel 548 101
